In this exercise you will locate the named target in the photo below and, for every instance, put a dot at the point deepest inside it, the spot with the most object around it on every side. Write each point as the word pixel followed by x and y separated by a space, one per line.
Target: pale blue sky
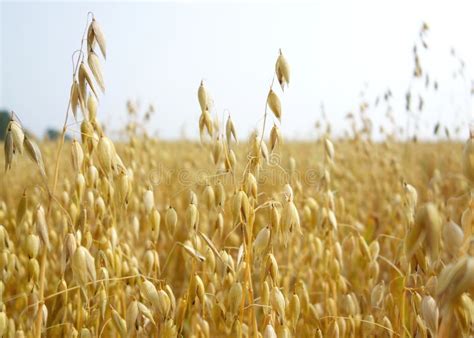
pixel 159 52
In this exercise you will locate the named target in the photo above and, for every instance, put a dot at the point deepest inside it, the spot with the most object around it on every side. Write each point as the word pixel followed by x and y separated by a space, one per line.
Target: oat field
pixel 229 236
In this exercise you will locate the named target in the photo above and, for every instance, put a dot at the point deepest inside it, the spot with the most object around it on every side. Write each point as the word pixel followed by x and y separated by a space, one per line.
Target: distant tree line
pixel 4 118
pixel 50 134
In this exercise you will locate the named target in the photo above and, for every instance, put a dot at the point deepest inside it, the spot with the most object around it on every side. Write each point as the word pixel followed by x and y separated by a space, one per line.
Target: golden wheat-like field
pixel 229 237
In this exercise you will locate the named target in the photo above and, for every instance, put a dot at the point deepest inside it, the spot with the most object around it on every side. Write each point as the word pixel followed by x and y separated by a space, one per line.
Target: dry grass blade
pixel 192 252
pixel 211 245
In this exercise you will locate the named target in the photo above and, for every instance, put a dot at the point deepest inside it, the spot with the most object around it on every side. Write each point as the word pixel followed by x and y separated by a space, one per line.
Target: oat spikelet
pixel 94 65
pixel 288 192
pixel 205 121
pixel 149 292
pixel 171 220
pixel 120 324
pixel 430 314
pixel 274 104
pixel 209 197
pixel 220 194
pixel 277 301
pixel 235 298
pixel 292 220
pixel 90 38
pixel 275 137
pixel 79 266
pixel 261 242
pixel 86 78
pixel 231 160
pixel 92 107
pixel 131 316
pixel 230 130
pixel 146 312
pixel 203 97
pixel 69 247
pixel 74 98
pixel 181 312
pixel 77 155
pixel 123 187
pixel 192 217
pixel 411 200
pixel 252 185
pixel 329 148
pixel 105 153
pixel 217 150
pixel 3 323
pixel 200 289
pixel 453 237
pixel 426 232
pixel 454 280
pixel 148 201
pixel 275 218
pixel 17 134
pixel 42 227
pixel 294 309
pixel 282 70
pixel 269 332
pixel 35 154
pixel 32 245
pixel 164 303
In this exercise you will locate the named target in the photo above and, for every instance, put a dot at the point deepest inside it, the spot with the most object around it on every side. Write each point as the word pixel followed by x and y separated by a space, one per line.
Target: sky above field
pixel 159 52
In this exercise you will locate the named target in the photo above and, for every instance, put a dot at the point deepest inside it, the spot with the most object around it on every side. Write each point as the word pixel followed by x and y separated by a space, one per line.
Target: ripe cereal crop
pixel 231 237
